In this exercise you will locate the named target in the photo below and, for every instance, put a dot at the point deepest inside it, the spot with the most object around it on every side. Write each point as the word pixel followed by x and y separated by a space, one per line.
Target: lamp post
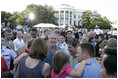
pixel 31 17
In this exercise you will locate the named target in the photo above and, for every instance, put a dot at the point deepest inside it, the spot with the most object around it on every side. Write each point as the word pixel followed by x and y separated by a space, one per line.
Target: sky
pixel 104 7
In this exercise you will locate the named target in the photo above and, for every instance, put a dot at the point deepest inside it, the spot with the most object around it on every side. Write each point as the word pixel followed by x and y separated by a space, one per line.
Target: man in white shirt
pixel 27 37
pixel 97 30
pixel 18 42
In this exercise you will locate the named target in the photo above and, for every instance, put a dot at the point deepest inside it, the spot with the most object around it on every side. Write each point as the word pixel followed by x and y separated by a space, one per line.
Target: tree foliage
pixel 43 14
pixel 5 15
pixel 14 16
pixel 91 19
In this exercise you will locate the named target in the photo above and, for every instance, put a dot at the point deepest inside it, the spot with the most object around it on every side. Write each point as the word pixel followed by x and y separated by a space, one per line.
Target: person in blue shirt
pixel 87 52
pixel 7 53
pixel 52 48
pixel 62 43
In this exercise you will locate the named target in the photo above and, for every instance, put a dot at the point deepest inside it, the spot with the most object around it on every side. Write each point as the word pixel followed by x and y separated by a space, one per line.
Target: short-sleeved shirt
pixel 63 73
pixel 90 71
pixel 49 57
pixel 8 54
pixel 18 43
pixel 73 60
pixel 63 46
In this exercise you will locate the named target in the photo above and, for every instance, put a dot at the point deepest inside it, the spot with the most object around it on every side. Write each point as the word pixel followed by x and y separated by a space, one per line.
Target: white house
pixel 68 15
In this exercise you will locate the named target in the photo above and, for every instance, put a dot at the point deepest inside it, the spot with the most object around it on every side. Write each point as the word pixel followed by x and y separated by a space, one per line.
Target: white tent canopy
pixel 45 25
pixel 62 26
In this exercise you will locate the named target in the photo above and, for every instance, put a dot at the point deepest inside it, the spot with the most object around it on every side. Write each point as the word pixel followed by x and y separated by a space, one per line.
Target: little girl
pixel 61 67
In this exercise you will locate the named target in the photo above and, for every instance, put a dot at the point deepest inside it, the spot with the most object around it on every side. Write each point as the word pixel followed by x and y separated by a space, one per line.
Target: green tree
pixel 105 23
pixel 87 19
pixel 43 14
pixel 14 16
pixel 20 20
pixel 92 18
pixel 4 15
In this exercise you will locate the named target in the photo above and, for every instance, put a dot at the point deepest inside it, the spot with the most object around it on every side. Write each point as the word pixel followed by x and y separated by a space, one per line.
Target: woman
pixel 61 67
pixel 33 66
pixel 109 63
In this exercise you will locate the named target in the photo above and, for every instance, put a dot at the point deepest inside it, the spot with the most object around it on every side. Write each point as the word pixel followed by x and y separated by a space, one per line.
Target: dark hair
pixel 73 41
pixel 60 59
pixel 68 31
pixel 90 39
pixel 34 29
pixel 106 36
pixel 89 48
pixel 61 34
pixel 39 48
pixel 110 62
pixel 80 33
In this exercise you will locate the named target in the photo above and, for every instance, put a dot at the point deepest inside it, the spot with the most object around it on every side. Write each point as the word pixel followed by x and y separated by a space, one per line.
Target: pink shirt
pixel 63 73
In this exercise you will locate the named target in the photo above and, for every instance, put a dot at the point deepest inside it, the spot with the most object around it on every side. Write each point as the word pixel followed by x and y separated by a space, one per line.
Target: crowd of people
pixel 58 53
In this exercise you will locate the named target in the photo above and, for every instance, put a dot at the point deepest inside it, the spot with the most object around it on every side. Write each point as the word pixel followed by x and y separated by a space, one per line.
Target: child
pixel 62 44
pixel 25 53
pixel 61 66
pixel 18 58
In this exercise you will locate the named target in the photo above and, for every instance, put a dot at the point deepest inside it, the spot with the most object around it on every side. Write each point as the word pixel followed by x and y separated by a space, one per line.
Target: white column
pixel 72 21
pixel 69 18
pixel 64 17
pixel 76 19
pixel 59 18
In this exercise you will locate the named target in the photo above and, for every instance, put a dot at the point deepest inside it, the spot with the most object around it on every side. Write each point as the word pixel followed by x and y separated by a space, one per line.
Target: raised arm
pixel 78 72
pixel 17 60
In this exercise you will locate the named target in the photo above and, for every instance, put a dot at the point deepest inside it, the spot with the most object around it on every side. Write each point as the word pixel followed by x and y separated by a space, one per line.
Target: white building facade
pixel 67 15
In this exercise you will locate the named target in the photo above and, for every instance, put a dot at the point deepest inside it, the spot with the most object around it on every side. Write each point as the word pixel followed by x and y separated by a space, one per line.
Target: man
pixel 72 47
pixel 26 37
pixel 87 52
pixel 52 48
pixel 69 34
pixel 8 37
pixel 18 42
pixel 45 34
pixel 97 30
pixel 33 33
pixel 8 54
